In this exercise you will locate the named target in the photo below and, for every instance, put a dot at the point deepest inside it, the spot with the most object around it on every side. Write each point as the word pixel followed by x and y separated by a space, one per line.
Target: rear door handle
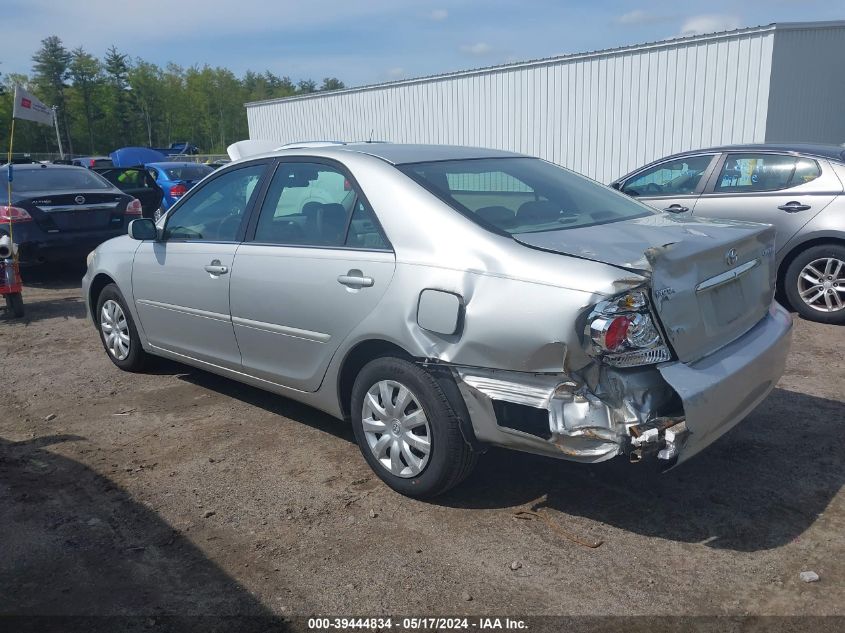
pixel 215 268
pixel 355 279
pixel 676 208
pixel 792 207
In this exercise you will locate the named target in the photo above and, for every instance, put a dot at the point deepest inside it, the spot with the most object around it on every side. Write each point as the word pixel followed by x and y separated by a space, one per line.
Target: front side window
pixel 214 211
pixel 522 195
pixel 307 204
pixel 765 172
pixel 672 178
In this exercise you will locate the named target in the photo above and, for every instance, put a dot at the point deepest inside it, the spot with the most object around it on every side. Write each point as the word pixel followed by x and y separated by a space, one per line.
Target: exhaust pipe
pixel 7 248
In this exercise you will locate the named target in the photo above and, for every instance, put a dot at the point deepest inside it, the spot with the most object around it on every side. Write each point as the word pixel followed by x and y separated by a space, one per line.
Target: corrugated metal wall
pixel 807 96
pixel 601 114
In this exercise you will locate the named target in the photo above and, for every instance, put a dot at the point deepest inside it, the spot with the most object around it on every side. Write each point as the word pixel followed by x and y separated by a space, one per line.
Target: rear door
pixel 672 185
pixel 181 283
pixel 136 182
pixel 315 264
pixel 784 190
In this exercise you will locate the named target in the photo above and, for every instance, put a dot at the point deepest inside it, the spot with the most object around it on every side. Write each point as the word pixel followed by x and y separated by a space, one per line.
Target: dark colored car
pixel 91 161
pixel 177 178
pixel 62 212
pixel 138 183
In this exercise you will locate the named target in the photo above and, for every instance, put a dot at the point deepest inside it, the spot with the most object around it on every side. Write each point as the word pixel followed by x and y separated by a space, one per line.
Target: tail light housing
pixel 622 332
pixel 14 215
pixel 134 207
pixel 178 190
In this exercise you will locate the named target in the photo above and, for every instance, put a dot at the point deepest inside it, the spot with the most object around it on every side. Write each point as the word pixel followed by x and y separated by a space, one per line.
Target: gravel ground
pixel 179 492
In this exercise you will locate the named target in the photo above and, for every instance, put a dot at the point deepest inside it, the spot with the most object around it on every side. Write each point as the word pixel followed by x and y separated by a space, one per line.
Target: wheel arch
pixel 100 281
pixel 358 356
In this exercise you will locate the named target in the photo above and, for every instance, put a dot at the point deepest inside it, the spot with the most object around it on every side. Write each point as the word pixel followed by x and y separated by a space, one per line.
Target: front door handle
pixel 355 279
pixel 215 268
pixel 792 207
pixel 676 208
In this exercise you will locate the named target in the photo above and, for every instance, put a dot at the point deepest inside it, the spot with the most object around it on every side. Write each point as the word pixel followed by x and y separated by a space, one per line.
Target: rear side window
pixel 672 178
pixel 765 172
pixel 523 195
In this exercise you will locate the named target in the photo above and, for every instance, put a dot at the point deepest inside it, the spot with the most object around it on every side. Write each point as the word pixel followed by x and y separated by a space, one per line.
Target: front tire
pixel 118 332
pixel 407 430
pixel 815 284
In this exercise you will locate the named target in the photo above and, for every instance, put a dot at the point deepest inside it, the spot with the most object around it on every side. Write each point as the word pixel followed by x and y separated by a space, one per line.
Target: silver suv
pixel 446 299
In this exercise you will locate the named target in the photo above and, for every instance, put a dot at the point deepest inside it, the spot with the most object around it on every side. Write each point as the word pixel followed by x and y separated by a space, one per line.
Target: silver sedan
pixel 448 299
pixel 796 188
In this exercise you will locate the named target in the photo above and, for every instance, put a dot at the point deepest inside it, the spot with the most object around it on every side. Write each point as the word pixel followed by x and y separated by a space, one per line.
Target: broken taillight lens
pixel 622 332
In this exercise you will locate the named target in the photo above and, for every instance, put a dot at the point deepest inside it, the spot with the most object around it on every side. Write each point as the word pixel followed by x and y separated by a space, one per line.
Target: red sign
pixel 26 103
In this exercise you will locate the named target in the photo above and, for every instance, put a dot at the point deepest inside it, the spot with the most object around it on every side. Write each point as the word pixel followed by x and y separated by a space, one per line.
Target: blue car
pixel 175 179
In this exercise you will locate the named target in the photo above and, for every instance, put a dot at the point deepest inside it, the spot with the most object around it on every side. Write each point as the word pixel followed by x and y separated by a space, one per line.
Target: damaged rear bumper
pixel 673 410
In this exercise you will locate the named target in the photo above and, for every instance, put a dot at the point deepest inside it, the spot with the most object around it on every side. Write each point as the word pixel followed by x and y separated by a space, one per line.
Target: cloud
pixel 396 73
pixel 438 15
pixel 637 16
pixel 479 48
pixel 699 24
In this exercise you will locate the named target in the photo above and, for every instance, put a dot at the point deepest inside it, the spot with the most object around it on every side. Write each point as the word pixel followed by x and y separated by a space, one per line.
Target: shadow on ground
pixel 75 544
pixel 757 488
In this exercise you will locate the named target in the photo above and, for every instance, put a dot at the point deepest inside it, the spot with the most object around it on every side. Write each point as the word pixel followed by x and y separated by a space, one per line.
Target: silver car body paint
pixel 524 306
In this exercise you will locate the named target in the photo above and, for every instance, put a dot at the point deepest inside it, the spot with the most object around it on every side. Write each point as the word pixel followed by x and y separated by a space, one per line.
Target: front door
pixel 317 265
pixel 181 282
pixel 779 189
pixel 672 185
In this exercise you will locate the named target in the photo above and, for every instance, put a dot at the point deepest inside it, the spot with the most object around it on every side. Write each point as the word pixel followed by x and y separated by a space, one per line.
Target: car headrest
pixel 538 211
pixel 496 215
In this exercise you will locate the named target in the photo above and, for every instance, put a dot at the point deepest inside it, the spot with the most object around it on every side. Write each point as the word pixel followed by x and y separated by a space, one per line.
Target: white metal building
pixel 601 113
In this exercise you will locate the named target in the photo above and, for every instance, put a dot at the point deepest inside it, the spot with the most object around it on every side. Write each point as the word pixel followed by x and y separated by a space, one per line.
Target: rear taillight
pixel 622 332
pixel 14 215
pixel 134 207
pixel 92 162
pixel 178 190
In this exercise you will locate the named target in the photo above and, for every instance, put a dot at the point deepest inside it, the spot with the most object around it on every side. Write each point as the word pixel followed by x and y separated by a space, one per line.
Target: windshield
pixel 56 179
pixel 523 195
pixel 188 172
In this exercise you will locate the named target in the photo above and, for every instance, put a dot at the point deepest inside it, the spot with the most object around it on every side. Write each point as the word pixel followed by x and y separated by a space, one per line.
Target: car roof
pixel 399 154
pixel 28 166
pixel 183 163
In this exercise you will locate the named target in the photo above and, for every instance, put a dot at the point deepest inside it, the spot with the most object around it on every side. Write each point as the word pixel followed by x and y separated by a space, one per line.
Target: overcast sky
pixel 367 41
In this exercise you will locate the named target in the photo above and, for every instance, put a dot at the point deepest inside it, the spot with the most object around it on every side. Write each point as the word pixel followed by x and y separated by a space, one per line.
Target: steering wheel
pixel 653 188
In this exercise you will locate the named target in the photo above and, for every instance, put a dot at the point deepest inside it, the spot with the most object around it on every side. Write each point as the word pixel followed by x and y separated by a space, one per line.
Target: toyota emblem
pixel 731 257
pixel 79 199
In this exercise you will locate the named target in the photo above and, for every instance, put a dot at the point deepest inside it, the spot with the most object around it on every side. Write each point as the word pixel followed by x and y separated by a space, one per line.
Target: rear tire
pixel 118 332
pixel 814 284
pixel 14 305
pixel 419 453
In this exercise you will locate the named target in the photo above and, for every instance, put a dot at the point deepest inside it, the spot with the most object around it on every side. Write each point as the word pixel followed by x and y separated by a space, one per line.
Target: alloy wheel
pixel 396 428
pixel 821 284
pixel 115 329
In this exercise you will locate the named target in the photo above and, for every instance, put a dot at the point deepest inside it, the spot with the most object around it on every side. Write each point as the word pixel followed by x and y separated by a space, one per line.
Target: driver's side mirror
pixel 142 229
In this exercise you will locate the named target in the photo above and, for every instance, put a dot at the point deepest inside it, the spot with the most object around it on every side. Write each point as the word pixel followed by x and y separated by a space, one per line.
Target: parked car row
pixel 447 299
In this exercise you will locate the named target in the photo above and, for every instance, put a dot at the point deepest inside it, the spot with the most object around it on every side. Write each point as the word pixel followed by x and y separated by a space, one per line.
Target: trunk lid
pixel 711 280
pixel 65 212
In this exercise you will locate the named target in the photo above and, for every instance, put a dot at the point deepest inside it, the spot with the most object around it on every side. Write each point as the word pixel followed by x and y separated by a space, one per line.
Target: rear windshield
pixel 56 179
pixel 188 172
pixel 523 195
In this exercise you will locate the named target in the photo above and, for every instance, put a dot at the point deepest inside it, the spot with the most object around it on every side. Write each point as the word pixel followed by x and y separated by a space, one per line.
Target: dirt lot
pixel 178 492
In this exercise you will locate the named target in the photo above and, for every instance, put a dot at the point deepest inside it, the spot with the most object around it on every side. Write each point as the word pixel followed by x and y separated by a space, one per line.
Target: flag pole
pixel 9 186
pixel 58 136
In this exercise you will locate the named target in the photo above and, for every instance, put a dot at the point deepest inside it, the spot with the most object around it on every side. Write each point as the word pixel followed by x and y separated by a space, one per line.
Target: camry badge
pixel 731 257
pixel 79 199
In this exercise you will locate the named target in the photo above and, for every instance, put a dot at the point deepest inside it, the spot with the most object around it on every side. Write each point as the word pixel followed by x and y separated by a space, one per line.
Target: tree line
pixel 115 101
